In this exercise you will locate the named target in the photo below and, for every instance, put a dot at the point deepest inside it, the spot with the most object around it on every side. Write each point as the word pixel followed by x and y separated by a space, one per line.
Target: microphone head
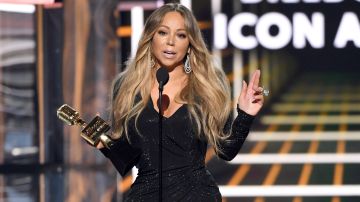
pixel 162 76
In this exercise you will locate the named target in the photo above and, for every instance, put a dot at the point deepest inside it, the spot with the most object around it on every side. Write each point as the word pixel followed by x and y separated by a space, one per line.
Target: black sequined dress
pixel 185 177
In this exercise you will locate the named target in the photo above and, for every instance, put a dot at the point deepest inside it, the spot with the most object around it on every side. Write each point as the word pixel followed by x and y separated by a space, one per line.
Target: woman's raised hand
pixel 251 98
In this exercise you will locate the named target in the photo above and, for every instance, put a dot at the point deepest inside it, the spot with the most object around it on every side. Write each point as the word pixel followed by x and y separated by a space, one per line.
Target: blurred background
pixel 304 145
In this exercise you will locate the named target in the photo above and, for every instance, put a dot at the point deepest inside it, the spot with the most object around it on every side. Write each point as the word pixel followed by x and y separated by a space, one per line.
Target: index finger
pixel 255 79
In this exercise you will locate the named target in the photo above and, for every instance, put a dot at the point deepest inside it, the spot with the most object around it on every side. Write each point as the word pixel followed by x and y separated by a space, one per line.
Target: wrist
pixel 240 111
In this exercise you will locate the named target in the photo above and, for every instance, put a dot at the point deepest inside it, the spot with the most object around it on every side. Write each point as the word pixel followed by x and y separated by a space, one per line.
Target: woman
pixel 197 113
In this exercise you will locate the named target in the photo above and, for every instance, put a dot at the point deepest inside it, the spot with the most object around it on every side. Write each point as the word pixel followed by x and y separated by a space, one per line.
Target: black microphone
pixel 162 76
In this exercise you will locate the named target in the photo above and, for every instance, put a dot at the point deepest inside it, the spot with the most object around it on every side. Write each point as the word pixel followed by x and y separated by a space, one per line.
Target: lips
pixel 169 54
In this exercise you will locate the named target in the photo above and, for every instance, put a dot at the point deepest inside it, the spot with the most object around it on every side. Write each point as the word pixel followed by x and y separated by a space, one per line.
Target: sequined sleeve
pixel 239 131
pixel 122 155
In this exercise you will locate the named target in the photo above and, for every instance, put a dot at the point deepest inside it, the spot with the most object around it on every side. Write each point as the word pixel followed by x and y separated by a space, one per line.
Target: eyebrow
pixel 169 28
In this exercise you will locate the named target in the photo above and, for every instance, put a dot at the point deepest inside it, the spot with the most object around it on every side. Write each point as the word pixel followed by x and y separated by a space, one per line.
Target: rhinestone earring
pixel 187 67
pixel 152 62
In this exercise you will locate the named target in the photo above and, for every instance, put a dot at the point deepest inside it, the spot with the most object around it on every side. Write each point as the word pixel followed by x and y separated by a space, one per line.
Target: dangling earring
pixel 187 67
pixel 152 62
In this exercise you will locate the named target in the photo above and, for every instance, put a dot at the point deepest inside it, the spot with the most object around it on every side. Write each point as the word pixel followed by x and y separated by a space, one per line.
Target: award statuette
pixel 92 132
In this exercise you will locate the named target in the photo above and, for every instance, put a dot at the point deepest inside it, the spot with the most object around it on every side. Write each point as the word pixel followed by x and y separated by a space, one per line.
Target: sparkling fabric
pixel 185 177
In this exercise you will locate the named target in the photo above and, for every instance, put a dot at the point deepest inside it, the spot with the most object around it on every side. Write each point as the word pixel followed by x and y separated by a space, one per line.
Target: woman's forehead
pixel 173 20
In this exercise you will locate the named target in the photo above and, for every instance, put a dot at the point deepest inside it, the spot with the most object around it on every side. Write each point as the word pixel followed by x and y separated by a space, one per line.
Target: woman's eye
pixel 183 36
pixel 161 33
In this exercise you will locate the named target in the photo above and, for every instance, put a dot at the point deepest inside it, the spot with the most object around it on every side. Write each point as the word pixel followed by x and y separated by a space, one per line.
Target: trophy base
pixel 93 132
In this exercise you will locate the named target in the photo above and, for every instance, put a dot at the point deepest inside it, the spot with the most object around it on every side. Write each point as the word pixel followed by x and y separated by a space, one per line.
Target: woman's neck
pixel 177 75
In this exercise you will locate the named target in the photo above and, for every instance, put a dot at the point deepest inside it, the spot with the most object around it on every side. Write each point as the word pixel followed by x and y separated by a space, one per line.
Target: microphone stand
pixel 160 139
pixel 162 76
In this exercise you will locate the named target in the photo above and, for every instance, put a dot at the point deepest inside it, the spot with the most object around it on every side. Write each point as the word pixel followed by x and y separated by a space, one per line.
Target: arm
pixel 122 155
pixel 250 102
pixel 239 131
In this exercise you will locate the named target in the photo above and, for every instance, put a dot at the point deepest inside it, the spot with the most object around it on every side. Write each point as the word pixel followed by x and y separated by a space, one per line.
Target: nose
pixel 170 40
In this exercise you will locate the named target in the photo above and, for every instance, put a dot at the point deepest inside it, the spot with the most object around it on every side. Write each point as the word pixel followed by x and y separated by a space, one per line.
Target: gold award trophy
pixel 92 132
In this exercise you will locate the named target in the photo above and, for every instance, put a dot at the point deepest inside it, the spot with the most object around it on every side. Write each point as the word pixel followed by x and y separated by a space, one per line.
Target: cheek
pixel 184 49
pixel 155 46
pixel 155 43
pixel 183 55
pixel 157 40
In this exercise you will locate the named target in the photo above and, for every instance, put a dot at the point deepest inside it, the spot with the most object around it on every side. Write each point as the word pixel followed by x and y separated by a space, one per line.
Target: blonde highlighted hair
pixel 207 93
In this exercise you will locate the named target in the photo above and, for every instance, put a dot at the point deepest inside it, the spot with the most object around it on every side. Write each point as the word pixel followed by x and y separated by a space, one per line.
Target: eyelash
pixel 162 33
pixel 183 36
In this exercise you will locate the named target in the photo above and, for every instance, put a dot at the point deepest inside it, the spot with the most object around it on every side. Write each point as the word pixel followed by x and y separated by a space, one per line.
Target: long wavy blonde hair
pixel 207 92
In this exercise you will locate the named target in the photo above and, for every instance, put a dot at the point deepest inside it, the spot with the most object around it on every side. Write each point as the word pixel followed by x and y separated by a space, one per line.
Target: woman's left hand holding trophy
pixel 93 132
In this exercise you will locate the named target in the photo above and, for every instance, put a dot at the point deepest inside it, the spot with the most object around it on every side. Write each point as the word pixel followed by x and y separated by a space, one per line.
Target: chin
pixel 167 65
pixel 170 65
